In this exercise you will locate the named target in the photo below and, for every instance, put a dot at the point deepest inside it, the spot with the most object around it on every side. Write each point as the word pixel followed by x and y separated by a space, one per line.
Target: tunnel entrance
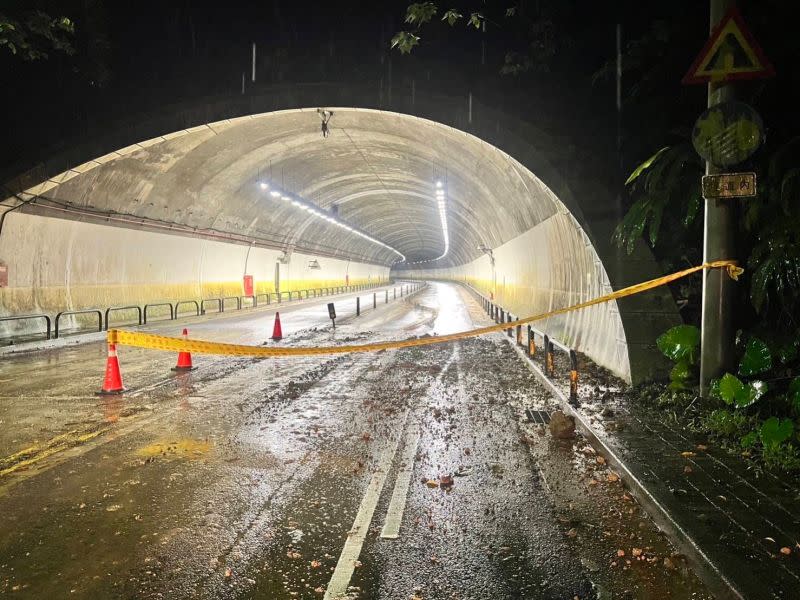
pixel 382 193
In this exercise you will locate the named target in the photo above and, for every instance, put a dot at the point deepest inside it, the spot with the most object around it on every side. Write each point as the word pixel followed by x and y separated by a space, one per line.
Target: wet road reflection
pixel 274 479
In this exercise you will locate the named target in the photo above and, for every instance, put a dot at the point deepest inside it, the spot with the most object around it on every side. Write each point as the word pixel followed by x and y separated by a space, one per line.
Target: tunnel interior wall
pixel 551 266
pixel 56 264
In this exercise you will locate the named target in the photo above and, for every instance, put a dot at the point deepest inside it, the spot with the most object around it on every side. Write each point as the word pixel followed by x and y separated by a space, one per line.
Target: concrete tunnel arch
pixel 378 167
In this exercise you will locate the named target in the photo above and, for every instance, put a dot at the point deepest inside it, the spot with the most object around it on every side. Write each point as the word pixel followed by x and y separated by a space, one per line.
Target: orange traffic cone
pixel 113 381
pixel 184 358
pixel 277 332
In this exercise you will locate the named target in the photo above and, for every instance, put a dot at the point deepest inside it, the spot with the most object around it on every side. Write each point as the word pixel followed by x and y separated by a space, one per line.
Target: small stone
pixel 561 425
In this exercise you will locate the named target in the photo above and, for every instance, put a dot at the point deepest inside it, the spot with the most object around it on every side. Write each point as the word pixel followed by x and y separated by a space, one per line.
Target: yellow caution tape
pixel 160 342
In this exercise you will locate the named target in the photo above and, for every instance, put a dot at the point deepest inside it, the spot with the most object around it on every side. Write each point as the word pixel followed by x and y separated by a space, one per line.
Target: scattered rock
pixel 562 426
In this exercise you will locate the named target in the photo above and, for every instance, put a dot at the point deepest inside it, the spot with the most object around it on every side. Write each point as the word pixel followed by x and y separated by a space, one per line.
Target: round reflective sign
pixel 727 134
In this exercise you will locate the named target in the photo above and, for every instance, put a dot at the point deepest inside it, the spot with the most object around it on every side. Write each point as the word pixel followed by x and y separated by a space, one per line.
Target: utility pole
pixel 717 333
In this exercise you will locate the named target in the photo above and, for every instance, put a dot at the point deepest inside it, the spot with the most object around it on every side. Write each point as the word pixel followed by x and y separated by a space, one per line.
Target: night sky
pixel 134 57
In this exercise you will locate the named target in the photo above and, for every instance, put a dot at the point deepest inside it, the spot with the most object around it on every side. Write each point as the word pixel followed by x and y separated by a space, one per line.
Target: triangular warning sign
pixel 731 53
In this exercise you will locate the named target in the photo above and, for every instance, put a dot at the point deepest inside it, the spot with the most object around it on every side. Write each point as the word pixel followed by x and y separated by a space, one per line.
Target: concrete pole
pixel 717 333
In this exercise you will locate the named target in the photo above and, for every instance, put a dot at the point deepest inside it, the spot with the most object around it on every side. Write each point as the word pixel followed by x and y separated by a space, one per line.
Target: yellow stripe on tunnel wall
pixel 56 264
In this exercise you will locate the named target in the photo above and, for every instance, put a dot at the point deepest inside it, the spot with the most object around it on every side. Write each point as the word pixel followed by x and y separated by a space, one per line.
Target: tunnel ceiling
pixel 379 168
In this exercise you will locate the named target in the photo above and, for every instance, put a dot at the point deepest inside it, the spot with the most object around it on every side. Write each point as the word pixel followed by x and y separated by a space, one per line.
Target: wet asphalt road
pixel 401 474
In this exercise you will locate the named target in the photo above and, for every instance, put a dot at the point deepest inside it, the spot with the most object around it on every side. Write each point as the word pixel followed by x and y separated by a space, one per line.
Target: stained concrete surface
pixel 243 479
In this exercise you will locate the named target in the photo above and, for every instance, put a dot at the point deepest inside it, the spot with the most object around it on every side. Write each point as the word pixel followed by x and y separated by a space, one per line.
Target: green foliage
pixel 680 343
pixel 420 13
pixel 775 261
pixel 32 34
pixel 680 375
pixel 404 41
pixel 667 181
pixel 784 457
pixel 757 358
pixel 476 19
pixel 788 352
pixel 644 166
pixel 793 394
pixel 452 16
pixel 749 440
pixel 726 423
pixel 775 431
pixel 733 392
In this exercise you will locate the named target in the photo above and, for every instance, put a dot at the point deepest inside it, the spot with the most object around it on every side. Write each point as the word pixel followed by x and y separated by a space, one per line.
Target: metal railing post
pixel 573 375
pixel 358 306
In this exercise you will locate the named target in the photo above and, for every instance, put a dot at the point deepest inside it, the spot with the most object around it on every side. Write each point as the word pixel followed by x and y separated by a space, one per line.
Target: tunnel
pixel 192 212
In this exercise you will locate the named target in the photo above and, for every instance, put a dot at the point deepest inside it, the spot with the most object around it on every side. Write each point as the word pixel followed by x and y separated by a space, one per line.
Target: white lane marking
pixel 340 579
pixel 397 505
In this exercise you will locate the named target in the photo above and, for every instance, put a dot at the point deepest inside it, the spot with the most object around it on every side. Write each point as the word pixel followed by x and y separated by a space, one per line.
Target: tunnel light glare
pixel 308 207
pixel 441 205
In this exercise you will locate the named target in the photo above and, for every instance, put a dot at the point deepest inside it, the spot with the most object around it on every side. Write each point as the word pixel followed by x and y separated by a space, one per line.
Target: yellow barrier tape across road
pixel 160 342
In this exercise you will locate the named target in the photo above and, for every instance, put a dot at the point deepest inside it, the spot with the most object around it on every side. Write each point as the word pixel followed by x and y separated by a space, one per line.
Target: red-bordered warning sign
pixel 731 53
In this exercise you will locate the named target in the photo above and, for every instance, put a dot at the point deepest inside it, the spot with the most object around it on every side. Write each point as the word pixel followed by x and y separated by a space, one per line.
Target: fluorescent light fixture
pixel 275 193
pixel 263 186
pixel 438 184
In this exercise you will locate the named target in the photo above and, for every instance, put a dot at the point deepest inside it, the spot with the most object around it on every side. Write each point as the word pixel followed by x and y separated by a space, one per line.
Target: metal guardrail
pixel 196 306
pixel 500 315
pixel 220 307
pixel 30 317
pixel 138 310
pixel 238 302
pixel 69 313
pixel 156 305
pixel 143 312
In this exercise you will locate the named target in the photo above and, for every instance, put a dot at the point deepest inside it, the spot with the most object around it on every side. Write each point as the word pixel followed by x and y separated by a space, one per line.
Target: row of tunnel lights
pixel 441 202
pixel 325 216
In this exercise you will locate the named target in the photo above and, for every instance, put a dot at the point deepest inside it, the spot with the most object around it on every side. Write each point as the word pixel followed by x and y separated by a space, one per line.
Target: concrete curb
pixel 706 569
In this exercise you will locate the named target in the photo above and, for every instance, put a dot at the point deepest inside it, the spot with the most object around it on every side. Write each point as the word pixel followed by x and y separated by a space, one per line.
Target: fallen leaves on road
pixel 688 454
pixel 786 551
